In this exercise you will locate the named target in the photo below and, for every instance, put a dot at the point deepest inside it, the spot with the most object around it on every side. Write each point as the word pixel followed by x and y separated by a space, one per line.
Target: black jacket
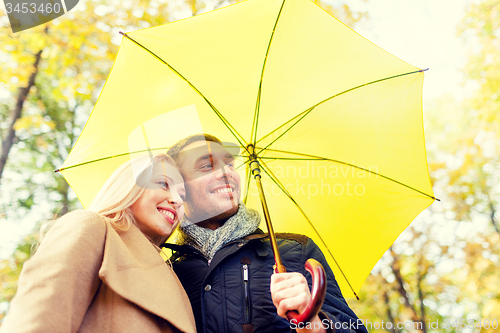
pixel 225 300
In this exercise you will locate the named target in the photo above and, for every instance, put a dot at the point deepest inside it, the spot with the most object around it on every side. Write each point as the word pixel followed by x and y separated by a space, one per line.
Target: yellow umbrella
pixel 335 121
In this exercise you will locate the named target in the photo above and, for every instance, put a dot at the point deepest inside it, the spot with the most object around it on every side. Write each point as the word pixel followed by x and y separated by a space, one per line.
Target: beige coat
pixel 87 277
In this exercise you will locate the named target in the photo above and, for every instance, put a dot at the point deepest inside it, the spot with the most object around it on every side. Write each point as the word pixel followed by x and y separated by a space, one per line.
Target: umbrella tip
pixel 424 70
pixel 437 199
pixel 122 33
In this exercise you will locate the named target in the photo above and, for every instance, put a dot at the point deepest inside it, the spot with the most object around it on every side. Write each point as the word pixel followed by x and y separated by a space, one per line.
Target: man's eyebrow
pixel 201 158
pixel 207 157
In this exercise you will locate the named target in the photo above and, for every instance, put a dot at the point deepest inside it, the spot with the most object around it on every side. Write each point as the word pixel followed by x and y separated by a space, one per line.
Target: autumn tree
pixel 446 266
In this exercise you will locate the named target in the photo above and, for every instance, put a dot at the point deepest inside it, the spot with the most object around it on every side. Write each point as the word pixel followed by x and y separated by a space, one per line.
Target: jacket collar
pixel 229 248
pixel 134 269
pixel 185 249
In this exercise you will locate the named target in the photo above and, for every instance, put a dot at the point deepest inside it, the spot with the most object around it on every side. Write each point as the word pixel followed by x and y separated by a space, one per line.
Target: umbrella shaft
pixel 277 258
pixel 254 167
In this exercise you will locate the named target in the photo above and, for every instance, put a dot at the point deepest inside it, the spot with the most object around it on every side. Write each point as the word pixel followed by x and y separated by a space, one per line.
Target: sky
pixel 420 32
pixel 424 34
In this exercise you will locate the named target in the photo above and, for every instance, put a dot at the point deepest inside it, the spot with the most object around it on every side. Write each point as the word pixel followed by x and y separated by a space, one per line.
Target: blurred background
pixel 445 266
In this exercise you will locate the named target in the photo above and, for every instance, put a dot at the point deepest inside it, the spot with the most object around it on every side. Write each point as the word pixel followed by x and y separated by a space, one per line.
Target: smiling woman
pixel 158 210
pixel 99 270
pixel 154 187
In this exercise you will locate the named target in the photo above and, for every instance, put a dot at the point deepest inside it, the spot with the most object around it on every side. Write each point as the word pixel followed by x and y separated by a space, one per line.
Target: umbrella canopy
pixel 335 120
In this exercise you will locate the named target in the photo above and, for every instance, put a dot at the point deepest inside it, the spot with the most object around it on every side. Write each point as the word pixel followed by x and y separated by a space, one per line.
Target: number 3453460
pixel 470 323
pixel 25 8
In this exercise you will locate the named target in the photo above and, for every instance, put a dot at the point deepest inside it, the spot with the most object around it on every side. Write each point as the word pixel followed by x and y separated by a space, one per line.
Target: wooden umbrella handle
pixel 318 292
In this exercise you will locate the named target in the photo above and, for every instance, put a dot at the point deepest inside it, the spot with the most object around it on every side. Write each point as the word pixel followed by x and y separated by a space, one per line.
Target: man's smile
pixel 223 189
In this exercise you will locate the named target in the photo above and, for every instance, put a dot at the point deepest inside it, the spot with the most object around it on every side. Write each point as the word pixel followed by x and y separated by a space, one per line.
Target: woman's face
pixel 160 208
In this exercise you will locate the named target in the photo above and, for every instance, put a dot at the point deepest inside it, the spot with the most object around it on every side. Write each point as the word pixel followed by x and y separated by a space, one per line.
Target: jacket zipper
pixel 247 301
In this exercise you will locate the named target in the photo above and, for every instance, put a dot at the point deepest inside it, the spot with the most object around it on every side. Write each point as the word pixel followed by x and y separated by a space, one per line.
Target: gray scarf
pixel 208 241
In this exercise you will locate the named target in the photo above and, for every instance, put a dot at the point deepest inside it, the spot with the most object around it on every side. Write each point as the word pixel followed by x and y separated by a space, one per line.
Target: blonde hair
pixel 123 188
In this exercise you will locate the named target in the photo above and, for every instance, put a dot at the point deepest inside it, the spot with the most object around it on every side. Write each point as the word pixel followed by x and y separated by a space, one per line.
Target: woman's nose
pixel 175 198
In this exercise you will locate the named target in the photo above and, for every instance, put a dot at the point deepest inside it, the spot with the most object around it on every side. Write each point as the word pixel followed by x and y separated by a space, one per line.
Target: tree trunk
pixel 421 294
pixel 8 141
pixel 192 6
pixel 65 188
pixel 65 199
pixel 394 328
pixel 492 217
pixel 402 290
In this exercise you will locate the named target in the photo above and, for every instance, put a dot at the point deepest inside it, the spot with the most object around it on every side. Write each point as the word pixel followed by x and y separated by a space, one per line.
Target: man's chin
pixel 218 214
pixel 225 204
pixel 226 210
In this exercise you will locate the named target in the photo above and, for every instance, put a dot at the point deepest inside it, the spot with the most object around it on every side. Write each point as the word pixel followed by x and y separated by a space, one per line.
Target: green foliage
pixel 11 268
pixel 481 26
pixel 450 258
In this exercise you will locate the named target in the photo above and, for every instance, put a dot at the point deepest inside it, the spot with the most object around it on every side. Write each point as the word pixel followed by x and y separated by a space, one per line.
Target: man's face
pixel 212 184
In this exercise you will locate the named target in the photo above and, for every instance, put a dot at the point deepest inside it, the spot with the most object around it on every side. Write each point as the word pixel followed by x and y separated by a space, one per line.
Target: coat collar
pixel 134 269
pixel 228 249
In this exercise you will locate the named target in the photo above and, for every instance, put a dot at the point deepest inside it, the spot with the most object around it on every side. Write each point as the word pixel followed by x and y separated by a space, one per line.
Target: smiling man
pixel 225 262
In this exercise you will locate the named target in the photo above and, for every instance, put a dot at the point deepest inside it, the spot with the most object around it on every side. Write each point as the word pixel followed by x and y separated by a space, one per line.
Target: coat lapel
pixel 134 269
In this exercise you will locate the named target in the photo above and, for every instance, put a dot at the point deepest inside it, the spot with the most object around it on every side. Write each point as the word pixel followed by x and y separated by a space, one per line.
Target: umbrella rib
pixel 248 177
pixel 233 131
pixel 119 155
pixel 306 112
pixel 313 157
pixel 282 188
pixel 255 121
pixel 113 156
pixel 292 159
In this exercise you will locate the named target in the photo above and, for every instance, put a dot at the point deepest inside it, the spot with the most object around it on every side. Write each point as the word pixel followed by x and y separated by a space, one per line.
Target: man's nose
pixel 223 171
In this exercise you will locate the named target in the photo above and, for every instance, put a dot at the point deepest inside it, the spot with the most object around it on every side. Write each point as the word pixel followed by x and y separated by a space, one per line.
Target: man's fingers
pixel 289 291
pixel 301 294
pixel 294 303
pixel 277 277
pixel 286 280
pixel 285 276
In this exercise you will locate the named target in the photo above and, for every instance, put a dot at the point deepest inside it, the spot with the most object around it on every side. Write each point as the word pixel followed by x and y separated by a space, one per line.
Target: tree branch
pixel 8 141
